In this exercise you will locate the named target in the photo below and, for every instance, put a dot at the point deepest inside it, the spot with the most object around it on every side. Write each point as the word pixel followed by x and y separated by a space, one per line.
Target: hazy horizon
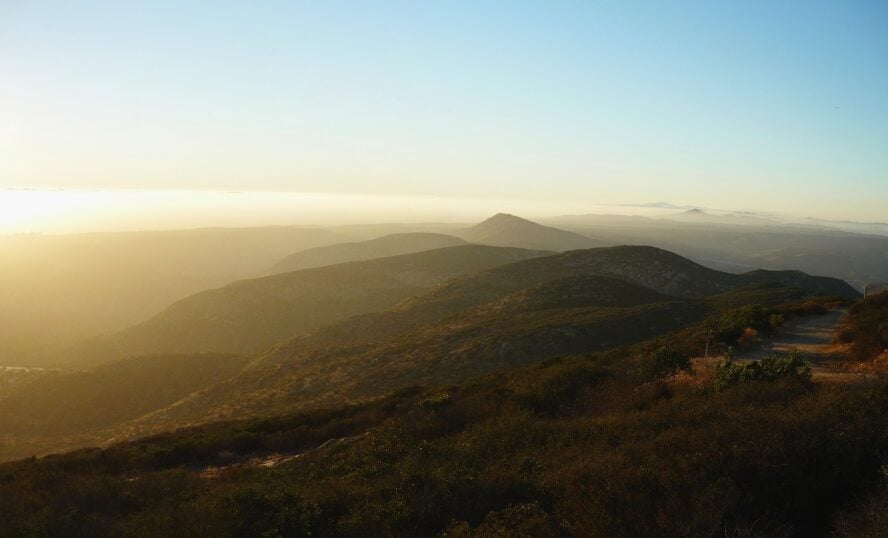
pixel 54 211
pixel 527 108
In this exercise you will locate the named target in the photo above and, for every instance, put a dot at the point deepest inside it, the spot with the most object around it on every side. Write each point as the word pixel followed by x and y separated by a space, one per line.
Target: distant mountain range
pixel 250 315
pixel 246 316
pixel 670 211
pixel 62 288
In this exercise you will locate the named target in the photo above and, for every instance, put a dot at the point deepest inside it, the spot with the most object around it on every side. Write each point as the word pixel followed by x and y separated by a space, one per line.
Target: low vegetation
pixel 594 444
pixel 46 410
pixel 560 448
pixel 549 397
pixel 770 368
pixel 560 317
pixel 492 321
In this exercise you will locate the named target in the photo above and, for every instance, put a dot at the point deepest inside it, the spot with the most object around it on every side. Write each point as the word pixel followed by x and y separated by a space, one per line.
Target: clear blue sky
pixel 781 106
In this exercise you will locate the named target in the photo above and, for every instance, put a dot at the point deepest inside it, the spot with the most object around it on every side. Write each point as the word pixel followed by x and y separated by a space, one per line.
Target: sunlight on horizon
pixel 78 211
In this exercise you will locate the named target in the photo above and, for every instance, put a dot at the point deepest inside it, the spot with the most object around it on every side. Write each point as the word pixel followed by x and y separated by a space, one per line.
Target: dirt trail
pixel 812 336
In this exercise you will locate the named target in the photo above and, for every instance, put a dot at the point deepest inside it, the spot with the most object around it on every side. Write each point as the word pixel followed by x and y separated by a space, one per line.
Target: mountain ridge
pixel 249 315
pixel 509 315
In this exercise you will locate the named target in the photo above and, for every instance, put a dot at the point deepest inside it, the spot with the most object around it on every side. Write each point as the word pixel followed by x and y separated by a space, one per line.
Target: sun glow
pixel 29 210
pixel 73 211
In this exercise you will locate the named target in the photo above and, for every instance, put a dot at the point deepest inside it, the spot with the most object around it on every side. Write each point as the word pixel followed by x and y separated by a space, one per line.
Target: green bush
pixel 770 368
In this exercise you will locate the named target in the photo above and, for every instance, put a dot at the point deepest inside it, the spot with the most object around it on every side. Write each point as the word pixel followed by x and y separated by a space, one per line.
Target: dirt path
pixel 812 336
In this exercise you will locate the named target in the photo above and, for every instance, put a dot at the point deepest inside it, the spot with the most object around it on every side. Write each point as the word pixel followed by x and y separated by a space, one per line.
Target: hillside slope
pixel 505 317
pixel 656 269
pixel 381 247
pixel 578 446
pixel 250 315
pixel 64 409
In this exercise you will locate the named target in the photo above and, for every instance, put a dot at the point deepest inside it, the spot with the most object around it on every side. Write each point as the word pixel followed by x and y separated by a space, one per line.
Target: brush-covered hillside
pixel 513 314
pixel 652 268
pixel 626 442
pixel 502 318
pixel 53 409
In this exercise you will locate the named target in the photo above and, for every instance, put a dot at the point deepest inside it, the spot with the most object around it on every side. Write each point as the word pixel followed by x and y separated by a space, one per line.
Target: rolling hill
pixel 653 268
pixel 856 258
pixel 508 316
pixel 381 247
pixel 250 315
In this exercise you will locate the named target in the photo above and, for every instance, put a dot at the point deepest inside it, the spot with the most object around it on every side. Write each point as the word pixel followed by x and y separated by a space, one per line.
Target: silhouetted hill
pixel 250 315
pixel 381 247
pixel 511 231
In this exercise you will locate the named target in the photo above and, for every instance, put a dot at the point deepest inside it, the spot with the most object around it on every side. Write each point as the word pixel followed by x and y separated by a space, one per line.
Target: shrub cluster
pixel 770 368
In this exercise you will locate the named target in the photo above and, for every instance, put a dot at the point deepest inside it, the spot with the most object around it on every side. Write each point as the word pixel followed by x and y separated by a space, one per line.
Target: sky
pixel 757 105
